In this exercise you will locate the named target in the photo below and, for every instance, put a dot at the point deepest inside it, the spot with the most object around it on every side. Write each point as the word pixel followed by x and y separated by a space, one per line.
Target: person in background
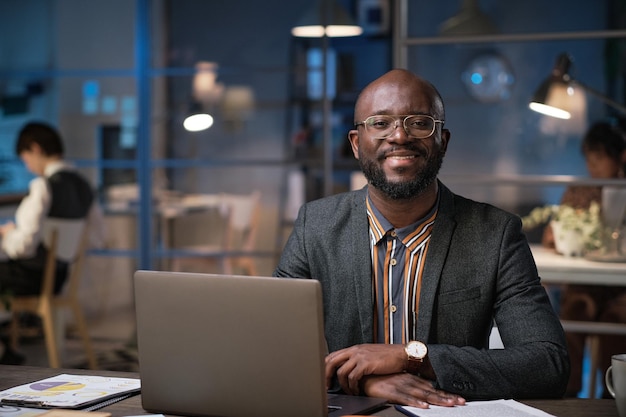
pixel 604 149
pixel 58 196
pixel 414 276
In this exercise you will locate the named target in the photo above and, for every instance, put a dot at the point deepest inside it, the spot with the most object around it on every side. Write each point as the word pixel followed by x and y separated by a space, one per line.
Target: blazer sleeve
pixel 534 362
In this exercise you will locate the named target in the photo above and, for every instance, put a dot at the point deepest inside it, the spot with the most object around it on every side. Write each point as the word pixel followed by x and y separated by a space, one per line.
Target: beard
pixel 401 190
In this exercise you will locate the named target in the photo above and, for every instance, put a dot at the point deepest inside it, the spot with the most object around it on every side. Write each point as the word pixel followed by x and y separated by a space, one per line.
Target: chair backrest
pixel 243 219
pixel 74 248
pixel 76 267
pixel 69 235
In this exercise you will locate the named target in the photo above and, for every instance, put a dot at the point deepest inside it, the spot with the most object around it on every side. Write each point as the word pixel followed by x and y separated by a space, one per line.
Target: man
pixel 58 198
pixel 414 276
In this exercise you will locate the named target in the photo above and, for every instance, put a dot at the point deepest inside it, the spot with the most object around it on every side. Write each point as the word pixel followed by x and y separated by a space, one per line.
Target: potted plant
pixel 575 230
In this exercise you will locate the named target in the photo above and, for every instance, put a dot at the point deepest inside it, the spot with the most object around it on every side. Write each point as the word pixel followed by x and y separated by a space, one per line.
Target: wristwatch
pixel 416 352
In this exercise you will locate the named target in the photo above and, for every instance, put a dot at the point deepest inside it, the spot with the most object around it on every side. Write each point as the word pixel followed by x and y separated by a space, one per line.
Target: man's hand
pixel 355 362
pixel 408 389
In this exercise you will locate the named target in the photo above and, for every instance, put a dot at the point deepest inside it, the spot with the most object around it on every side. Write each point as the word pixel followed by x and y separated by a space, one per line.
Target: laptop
pixel 234 346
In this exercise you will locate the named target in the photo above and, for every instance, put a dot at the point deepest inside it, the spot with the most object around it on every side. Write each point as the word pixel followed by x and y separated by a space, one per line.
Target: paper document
pixel 70 391
pixel 496 408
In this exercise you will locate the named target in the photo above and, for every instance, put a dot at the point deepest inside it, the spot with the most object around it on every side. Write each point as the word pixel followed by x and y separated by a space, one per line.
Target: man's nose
pixel 401 133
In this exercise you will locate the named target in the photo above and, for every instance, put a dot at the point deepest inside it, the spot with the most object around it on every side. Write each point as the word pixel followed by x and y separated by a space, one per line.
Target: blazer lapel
pixel 435 259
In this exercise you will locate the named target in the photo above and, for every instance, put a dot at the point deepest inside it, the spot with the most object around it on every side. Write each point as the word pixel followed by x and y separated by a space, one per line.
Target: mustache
pixel 410 147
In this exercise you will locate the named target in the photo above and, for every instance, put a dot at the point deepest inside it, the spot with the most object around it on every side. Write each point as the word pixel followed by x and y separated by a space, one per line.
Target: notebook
pixel 234 346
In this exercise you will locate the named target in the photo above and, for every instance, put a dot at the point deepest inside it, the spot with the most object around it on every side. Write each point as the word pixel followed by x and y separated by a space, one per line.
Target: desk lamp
pixel 557 94
pixel 206 92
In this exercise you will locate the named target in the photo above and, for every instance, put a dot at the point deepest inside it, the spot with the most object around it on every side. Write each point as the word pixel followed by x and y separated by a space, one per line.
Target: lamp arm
pixel 600 96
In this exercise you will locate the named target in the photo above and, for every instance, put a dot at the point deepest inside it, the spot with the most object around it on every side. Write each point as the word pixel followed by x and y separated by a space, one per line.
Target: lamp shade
pixel 556 95
pixel 559 94
pixel 326 18
pixel 470 20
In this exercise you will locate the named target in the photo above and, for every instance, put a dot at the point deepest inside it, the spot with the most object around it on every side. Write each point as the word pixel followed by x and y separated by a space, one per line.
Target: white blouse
pixel 31 213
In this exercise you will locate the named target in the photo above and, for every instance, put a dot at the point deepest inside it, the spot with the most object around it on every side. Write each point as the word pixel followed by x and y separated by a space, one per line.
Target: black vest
pixel 71 195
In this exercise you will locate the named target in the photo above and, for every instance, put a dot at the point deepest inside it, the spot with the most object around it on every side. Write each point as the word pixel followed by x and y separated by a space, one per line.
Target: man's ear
pixel 445 139
pixel 353 137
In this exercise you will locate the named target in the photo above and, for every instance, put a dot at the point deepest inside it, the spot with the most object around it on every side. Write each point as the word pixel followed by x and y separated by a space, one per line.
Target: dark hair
pixel 43 135
pixel 607 138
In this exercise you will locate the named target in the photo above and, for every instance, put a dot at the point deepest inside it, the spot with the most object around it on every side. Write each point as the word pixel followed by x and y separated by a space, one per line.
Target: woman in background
pixel 58 198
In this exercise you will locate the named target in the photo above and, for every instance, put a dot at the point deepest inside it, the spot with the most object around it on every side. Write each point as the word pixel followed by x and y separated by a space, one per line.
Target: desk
pixel 11 376
pixel 558 269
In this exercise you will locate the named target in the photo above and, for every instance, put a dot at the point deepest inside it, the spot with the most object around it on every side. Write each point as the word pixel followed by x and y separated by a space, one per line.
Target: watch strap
pixel 413 366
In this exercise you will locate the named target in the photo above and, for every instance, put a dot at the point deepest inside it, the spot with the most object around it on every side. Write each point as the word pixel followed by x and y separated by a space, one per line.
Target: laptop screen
pixel 216 345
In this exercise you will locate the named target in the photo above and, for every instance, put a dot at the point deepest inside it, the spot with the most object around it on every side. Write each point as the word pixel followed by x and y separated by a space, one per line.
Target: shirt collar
pixel 54 167
pixel 380 226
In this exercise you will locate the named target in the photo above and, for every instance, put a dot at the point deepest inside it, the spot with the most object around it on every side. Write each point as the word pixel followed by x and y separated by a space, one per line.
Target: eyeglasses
pixel 415 125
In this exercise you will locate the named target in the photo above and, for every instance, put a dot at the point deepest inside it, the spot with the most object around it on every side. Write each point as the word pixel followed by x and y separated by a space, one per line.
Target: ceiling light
pixel 326 18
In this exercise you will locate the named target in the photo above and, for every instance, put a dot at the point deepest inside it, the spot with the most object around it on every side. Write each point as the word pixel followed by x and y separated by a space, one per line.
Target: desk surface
pixel 11 376
pixel 558 269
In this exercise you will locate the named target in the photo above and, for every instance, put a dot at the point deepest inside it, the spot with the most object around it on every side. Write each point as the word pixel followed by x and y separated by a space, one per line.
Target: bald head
pixel 395 87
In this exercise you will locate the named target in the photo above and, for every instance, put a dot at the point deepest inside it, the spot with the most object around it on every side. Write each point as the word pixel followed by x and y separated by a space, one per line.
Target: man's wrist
pixel 416 353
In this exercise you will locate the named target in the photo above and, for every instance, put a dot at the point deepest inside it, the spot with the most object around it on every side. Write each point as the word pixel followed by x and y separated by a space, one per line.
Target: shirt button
pixel 393 308
pixel 393 262
pixel 393 233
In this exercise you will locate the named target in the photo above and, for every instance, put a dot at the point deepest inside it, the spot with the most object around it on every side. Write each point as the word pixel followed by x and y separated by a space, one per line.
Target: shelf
pixel 528 180
pixel 514 37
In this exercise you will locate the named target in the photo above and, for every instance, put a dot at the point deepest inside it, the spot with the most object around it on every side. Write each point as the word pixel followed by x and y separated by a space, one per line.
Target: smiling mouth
pixel 397 153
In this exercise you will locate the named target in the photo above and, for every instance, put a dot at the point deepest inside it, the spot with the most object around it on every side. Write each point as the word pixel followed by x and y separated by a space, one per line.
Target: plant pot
pixel 568 242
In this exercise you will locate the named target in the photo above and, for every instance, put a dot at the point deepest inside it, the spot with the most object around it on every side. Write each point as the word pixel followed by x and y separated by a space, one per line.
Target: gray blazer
pixel 479 269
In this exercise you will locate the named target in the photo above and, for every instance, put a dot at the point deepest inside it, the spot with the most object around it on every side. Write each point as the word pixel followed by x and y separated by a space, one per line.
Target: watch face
pixel 417 350
pixel 489 78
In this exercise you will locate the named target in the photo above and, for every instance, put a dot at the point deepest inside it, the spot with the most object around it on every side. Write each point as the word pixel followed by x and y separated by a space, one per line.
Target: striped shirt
pixel 398 257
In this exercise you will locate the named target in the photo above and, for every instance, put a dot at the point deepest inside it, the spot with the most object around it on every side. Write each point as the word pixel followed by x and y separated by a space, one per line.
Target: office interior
pixel 118 78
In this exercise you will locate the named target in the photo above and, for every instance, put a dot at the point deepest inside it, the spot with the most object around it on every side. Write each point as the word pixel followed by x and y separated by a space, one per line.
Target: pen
pixel 404 411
